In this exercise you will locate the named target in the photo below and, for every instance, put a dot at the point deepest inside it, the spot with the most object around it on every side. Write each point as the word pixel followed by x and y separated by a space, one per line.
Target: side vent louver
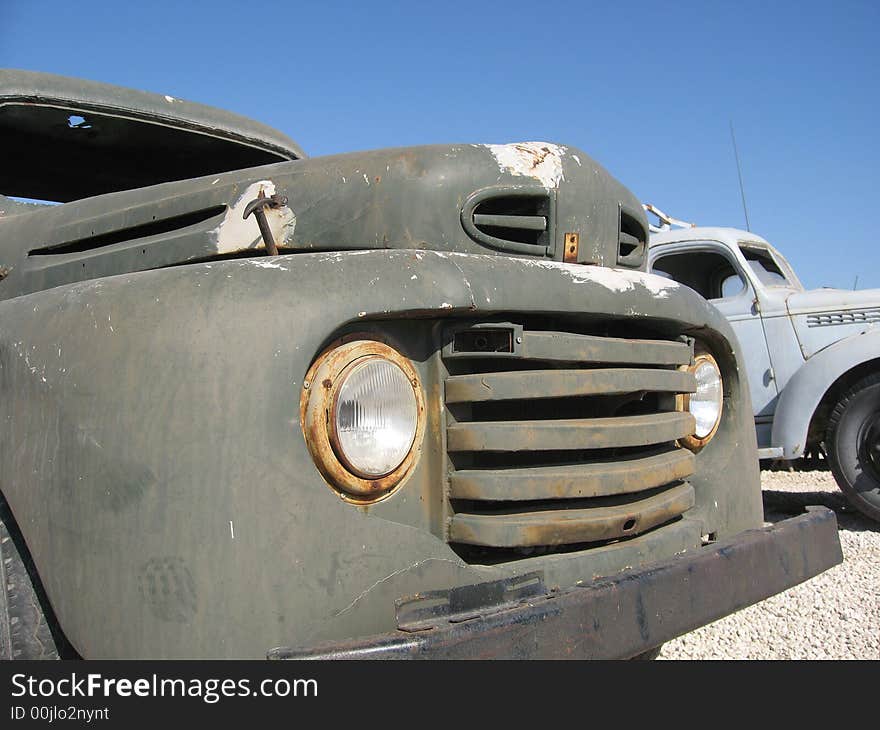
pixel 631 239
pixel 130 233
pixel 515 219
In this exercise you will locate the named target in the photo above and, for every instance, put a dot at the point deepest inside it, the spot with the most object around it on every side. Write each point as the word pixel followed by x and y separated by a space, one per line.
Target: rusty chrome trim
pixel 572 481
pixel 567 526
pixel 317 400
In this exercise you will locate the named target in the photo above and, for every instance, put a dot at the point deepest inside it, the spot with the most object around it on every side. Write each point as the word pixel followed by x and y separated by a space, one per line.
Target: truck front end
pixel 453 418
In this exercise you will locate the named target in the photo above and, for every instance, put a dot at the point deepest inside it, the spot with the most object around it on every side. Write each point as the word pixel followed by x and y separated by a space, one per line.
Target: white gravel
pixel 835 615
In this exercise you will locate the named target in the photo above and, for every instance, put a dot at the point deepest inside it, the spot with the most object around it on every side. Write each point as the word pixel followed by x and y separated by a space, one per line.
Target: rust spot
pixel 572 241
pixel 327 383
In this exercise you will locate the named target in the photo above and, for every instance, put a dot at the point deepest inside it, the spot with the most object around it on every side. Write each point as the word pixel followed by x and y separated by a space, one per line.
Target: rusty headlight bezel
pixel 702 357
pixel 317 414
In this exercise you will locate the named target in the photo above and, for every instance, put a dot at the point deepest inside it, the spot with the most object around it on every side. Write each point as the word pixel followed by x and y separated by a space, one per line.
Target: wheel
pixel 24 630
pixel 853 445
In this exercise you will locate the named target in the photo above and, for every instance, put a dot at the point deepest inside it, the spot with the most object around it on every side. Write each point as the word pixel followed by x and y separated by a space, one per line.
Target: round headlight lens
pixel 375 417
pixel 705 404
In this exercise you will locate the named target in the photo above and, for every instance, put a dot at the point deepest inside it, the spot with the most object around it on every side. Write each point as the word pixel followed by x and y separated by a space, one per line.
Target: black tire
pixel 852 442
pixel 24 630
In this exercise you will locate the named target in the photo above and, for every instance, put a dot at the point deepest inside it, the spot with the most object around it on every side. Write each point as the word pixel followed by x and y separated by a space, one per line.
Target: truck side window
pixel 709 273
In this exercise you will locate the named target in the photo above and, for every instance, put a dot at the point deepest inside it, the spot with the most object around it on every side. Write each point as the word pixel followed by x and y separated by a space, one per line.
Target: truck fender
pixel 804 392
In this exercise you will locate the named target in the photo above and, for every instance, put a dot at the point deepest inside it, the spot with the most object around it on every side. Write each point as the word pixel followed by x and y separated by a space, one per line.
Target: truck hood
pixel 822 317
pixel 541 200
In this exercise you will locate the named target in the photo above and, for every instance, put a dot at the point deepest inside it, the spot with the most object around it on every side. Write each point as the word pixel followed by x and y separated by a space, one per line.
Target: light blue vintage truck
pixel 812 356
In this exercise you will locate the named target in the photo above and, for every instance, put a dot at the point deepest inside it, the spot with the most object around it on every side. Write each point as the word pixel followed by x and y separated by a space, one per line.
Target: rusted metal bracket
pixel 666 222
pixel 570 255
pixel 258 208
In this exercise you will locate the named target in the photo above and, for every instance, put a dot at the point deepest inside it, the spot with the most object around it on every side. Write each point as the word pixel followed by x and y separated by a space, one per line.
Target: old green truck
pixel 415 402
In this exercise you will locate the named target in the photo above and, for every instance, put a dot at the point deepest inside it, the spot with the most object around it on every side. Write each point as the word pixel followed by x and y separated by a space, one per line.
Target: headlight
pixel 375 417
pixel 363 417
pixel 706 403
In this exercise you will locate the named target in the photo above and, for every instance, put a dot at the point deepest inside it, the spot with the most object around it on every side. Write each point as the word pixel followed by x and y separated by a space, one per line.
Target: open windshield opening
pixel 767 268
pixel 59 154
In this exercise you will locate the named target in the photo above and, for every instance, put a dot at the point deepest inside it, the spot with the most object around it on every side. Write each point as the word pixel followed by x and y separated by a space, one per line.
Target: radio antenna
pixel 742 190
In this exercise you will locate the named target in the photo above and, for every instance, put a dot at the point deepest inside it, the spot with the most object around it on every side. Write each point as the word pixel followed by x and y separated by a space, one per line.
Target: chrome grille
pixel 558 439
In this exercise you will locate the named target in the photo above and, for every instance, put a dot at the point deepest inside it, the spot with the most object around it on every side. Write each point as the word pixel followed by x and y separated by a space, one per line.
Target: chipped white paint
pixel 267 263
pixel 445 305
pixel 237 234
pixel 616 280
pixel 577 159
pixel 540 160
pixel 170 99
pixel 231 530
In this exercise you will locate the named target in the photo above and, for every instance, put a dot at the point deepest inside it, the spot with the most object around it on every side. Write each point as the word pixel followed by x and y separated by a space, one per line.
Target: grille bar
pixel 527 222
pixel 567 526
pixel 526 384
pixel 565 347
pixel 572 481
pixel 568 434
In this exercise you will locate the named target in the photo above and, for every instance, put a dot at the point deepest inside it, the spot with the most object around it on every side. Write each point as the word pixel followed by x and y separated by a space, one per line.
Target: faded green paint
pixel 150 443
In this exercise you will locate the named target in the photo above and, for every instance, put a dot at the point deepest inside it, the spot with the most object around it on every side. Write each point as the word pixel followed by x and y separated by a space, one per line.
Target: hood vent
pixel 132 233
pixel 518 219
pixel 632 237
pixel 852 316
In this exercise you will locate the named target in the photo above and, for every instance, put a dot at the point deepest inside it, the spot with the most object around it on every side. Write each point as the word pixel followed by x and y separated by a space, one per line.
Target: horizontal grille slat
pixel 572 481
pixel 561 527
pixel 564 347
pixel 569 434
pixel 528 384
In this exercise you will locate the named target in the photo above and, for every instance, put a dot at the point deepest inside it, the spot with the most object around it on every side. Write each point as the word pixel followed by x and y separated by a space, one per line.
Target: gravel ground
pixel 835 615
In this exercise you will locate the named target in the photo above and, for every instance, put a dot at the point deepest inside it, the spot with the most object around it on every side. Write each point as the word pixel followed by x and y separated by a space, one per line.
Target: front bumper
pixel 612 618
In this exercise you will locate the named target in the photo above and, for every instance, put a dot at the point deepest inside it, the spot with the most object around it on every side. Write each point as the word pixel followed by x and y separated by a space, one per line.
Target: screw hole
pixel 629 524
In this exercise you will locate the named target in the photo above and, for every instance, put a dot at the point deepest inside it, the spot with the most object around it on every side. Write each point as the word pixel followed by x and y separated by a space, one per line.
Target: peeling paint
pixel 265 263
pixel 540 160
pixel 615 280
pixel 235 233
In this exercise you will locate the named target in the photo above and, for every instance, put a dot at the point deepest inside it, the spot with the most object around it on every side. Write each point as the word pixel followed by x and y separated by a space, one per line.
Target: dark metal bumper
pixel 612 618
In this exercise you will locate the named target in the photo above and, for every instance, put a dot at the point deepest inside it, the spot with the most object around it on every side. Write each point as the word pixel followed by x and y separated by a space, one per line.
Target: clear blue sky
pixel 647 88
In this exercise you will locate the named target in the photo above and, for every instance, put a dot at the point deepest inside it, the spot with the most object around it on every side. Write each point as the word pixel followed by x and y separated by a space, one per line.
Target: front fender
pixel 804 391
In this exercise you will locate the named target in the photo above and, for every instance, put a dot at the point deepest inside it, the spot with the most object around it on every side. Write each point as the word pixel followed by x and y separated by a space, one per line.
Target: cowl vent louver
pixel 518 219
pixel 852 316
